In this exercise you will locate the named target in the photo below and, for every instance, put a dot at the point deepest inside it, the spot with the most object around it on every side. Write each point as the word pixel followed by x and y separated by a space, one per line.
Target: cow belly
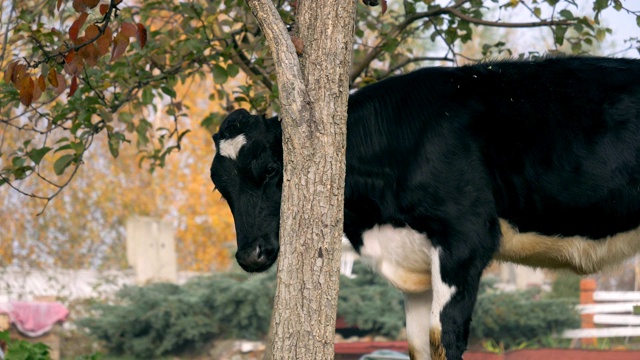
pixel 401 255
pixel 580 254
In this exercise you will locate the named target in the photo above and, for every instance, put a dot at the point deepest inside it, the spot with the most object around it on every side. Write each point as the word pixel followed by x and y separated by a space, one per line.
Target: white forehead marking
pixel 231 147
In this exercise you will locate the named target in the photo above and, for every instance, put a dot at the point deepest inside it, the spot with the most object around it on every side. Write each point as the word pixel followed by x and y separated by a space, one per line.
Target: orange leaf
pixel 8 74
pixel 128 29
pixel 41 83
pixel 104 42
pixel 75 67
pixel 37 92
pixel 141 35
pixel 103 9
pixel 91 3
pixel 53 77
pixel 59 4
pixel 70 55
pixel 120 43
pixel 74 86
pixel 26 91
pixel 19 73
pixel 79 6
pixel 91 32
pixel 75 27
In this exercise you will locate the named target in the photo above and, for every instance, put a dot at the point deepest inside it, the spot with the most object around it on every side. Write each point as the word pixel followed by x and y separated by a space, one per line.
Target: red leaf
pixel 91 32
pixel 104 42
pixel 70 55
pixel 79 6
pixel 91 3
pixel 128 29
pixel 141 35
pixel 62 84
pixel 75 27
pixel 74 86
pixel 53 77
pixel 59 4
pixel 384 6
pixel 120 43
pixel 103 9
pixel 26 91
pixel 90 54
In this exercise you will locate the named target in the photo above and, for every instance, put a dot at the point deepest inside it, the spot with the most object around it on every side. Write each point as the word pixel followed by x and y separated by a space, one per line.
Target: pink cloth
pixel 34 319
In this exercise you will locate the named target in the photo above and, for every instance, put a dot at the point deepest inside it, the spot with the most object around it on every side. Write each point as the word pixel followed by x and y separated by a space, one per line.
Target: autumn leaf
pixel 141 35
pixel 92 32
pixel 79 6
pixel 120 43
pixel 27 86
pixel 74 86
pixel 53 77
pixel 70 55
pixel 103 9
pixel 91 3
pixel 37 92
pixel 90 55
pixel 128 29
pixel 104 42
pixel 74 30
pixel 8 74
pixel 62 84
pixel 19 73
pixel 58 5
pixel 41 83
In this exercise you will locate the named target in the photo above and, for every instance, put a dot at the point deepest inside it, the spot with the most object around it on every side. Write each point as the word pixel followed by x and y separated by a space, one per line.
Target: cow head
pixel 247 170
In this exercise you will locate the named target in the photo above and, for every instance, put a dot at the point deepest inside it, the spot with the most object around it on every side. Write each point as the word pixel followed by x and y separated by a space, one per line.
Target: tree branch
pixel 293 94
pixel 451 10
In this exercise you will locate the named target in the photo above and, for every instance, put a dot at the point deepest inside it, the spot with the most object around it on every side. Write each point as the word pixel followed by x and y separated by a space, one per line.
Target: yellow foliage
pixel 85 225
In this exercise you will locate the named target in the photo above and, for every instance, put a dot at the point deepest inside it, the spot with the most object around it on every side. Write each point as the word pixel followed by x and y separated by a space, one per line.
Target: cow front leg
pixel 456 272
pixel 417 308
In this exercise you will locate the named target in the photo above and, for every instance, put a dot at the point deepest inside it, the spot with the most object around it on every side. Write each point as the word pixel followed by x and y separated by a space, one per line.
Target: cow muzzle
pixel 257 258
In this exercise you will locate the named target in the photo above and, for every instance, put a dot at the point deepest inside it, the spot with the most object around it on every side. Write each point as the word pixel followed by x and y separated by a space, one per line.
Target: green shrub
pixel 24 350
pixel 516 318
pixel 161 319
pixel 370 303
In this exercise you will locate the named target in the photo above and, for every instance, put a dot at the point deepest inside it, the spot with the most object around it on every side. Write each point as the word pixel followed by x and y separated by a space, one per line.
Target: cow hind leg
pixel 418 309
pixel 456 272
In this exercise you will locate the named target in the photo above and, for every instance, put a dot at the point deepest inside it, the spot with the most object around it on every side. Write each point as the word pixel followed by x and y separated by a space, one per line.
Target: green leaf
pixel 638 20
pixel 233 70
pixel 62 163
pixel 220 75
pixel 169 91
pixel 566 14
pixel 147 96
pixel 36 155
pixel 18 161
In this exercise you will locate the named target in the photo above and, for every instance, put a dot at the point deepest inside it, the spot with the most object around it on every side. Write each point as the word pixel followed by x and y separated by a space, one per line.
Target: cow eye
pixel 271 170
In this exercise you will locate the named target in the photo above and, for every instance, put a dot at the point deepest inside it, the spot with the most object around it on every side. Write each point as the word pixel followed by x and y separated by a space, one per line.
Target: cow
pixel 535 162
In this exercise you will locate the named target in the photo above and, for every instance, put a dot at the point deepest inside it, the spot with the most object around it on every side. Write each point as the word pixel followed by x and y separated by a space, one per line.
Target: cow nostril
pixel 258 254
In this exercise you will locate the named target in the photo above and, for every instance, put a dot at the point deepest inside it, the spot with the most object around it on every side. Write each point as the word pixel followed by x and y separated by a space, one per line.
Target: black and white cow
pixel 533 162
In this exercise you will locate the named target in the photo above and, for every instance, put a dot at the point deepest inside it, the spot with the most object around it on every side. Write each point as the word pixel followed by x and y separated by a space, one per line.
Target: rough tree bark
pixel 313 97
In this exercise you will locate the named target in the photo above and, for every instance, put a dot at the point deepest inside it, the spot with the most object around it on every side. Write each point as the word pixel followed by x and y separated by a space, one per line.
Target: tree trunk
pixel 313 97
